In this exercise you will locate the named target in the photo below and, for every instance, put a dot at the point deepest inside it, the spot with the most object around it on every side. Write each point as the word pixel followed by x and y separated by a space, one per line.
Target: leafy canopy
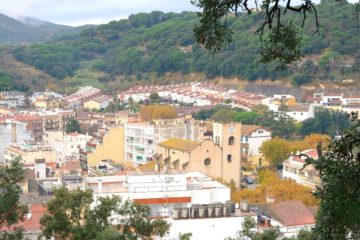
pixel 70 216
pixel 11 210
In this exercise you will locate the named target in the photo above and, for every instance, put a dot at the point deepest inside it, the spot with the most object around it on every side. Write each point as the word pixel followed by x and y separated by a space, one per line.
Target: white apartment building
pixel 294 169
pixel 141 139
pixel 162 192
pixel 68 147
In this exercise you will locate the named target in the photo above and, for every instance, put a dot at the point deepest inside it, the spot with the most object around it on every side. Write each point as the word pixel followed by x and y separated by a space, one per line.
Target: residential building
pixel 141 139
pixel 30 153
pixel 12 99
pixel 12 132
pixel 300 112
pixel 162 192
pixel 69 146
pixel 294 169
pixel 290 217
pixel 84 94
pixel 111 149
pixel 30 224
pixel 218 156
pixel 252 137
pixel 99 102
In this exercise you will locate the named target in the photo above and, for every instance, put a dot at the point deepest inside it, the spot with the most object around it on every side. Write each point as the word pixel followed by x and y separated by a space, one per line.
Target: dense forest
pixel 155 44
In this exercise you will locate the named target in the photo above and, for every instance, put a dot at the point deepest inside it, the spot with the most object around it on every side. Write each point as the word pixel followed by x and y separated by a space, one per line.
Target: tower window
pixel 229 158
pixel 231 140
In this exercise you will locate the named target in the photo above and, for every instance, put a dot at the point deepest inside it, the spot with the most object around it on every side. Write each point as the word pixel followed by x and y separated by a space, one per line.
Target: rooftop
pixel 179 144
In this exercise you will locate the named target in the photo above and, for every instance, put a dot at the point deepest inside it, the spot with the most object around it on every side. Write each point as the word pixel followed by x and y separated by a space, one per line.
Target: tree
pixel 72 125
pixel 246 117
pixel 154 98
pixel 152 112
pixel 213 29
pixel 5 81
pixel 70 216
pixel 223 115
pixel 11 211
pixel 185 236
pixel 276 150
pixel 339 168
pixel 326 121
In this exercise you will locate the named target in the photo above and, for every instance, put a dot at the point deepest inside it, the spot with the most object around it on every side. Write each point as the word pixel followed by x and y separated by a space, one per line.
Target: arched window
pixel 229 158
pixel 231 140
pixel 207 162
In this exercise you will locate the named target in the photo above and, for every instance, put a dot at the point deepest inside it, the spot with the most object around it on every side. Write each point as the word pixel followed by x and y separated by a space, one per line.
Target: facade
pixel 12 132
pixel 294 169
pixel 30 153
pixel 218 157
pixel 290 217
pixel 97 103
pixel 300 112
pixel 111 148
pixel 162 192
pixel 252 137
pixel 84 94
pixel 69 146
pixel 141 139
pixel 12 99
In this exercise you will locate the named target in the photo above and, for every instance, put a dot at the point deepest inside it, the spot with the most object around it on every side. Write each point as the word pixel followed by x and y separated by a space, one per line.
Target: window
pixel 229 158
pixel 207 162
pixel 231 140
pixel 260 162
pixel 260 131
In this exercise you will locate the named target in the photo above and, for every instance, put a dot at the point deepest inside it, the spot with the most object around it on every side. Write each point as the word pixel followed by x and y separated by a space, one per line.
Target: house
pixel 252 137
pixel 300 112
pixel 31 223
pixel 289 216
pixel 294 169
pixel 99 102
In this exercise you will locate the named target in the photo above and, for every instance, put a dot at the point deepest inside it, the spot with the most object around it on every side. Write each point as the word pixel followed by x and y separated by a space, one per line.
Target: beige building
pixel 217 157
pixel 112 148
pixel 30 154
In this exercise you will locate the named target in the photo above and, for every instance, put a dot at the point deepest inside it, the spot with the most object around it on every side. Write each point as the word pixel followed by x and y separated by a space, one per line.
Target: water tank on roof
pixel 203 211
pixel 194 211
pixel 185 212
pixel 218 210
pixel 211 210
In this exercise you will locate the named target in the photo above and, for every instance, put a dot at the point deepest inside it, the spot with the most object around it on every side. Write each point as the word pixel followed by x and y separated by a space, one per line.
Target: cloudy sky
pixel 79 12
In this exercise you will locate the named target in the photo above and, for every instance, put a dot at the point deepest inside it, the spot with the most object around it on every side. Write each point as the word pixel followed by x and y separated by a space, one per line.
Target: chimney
pixel 13 133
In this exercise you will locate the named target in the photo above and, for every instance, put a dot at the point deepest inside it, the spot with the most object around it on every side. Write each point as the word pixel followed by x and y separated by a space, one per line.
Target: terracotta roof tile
pixel 291 213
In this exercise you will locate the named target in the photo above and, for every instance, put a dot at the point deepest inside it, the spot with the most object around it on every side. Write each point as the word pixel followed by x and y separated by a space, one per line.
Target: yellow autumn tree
pixel 152 112
pixel 281 189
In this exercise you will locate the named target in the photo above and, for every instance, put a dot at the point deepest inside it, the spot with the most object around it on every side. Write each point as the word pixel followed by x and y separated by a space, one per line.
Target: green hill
pixel 28 30
pixel 156 46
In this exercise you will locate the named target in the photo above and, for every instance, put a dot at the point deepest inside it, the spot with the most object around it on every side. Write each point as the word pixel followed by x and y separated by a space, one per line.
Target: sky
pixel 80 12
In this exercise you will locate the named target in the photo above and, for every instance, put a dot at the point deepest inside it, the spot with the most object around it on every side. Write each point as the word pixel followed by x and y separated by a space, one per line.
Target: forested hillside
pixel 28 30
pixel 134 50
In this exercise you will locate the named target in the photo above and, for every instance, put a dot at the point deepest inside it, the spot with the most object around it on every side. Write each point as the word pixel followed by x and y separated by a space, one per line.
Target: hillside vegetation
pixel 150 47
pixel 28 30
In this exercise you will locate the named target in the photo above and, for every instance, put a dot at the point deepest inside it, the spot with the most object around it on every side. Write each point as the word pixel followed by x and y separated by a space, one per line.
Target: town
pixel 199 155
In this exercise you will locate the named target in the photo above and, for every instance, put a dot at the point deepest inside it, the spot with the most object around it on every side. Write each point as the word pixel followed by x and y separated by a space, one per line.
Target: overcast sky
pixel 80 12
